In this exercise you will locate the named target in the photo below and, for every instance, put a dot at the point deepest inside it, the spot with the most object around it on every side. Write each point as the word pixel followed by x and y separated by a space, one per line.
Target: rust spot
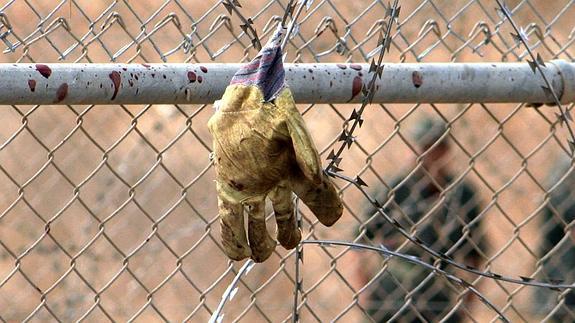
pixel 44 70
pixel 356 67
pixel 192 76
pixel 204 69
pixel 342 66
pixel 32 85
pixel 356 87
pixel 61 93
pixel 417 79
pixel 115 77
pixel 200 79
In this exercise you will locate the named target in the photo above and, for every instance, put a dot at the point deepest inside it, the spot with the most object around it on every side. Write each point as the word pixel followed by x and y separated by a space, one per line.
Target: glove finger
pixel 233 233
pixel 288 233
pixel 322 199
pixel 261 244
pixel 306 154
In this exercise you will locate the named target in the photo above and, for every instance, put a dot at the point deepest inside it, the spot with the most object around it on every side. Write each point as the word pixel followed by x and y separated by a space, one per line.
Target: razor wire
pixel 142 236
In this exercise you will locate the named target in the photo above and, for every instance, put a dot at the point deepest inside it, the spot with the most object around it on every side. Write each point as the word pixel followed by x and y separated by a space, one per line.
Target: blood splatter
pixel 237 186
pixel 342 66
pixel 200 79
pixel 356 67
pixel 192 76
pixel 32 85
pixel 61 93
pixel 146 65
pixel 356 87
pixel 115 77
pixel 204 69
pixel 44 70
pixel 417 79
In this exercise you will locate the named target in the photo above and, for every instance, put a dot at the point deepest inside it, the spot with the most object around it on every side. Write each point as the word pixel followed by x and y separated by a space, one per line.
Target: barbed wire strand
pixel 376 68
pixel 31 41
pixel 230 292
pixel 247 23
pixel 441 256
pixel 231 6
pixel 415 260
pixel 293 22
pixel 347 139
pixel 536 63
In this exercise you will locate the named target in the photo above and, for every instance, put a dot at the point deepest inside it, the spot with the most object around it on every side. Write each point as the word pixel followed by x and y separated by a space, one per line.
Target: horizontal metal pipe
pixel 311 83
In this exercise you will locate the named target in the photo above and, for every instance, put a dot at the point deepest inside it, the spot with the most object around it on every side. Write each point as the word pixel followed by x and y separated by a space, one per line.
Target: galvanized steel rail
pixel 311 83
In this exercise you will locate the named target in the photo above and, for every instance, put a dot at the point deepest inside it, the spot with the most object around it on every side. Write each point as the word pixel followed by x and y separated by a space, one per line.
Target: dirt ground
pixel 113 207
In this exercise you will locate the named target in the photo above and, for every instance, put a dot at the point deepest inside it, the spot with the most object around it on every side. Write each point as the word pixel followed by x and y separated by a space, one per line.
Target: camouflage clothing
pixel 558 252
pixel 442 228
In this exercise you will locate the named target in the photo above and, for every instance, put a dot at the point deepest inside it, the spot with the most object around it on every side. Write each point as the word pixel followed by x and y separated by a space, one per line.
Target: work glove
pixel 263 149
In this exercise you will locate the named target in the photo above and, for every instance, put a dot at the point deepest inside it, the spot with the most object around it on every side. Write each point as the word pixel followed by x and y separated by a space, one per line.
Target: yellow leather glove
pixel 263 149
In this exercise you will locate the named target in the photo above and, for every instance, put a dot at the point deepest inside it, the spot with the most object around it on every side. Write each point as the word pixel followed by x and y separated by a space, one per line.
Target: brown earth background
pixel 111 210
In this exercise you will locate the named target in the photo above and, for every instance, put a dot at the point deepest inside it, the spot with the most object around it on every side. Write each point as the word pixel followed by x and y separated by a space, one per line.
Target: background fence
pixel 109 212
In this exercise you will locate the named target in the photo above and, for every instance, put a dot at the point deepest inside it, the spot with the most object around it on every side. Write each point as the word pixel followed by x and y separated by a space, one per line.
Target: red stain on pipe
pixel 192 76
pixel 115 77
pixel 44 70
pixel 61 93
pixel 356 67
pixel 32 85
pixel 356 86
pixel 417 79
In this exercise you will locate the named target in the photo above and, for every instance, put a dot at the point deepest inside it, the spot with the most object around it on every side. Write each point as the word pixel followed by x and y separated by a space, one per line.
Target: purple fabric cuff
pixel 266 70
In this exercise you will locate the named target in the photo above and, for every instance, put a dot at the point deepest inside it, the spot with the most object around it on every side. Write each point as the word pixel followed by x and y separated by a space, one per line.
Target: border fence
pixel 108 209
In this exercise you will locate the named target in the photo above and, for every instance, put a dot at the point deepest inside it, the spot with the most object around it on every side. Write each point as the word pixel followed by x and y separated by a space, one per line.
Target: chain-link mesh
pixel 109 212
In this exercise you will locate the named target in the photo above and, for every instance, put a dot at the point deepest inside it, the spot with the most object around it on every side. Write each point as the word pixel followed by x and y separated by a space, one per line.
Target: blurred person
pixel 557 248
pixel 437 208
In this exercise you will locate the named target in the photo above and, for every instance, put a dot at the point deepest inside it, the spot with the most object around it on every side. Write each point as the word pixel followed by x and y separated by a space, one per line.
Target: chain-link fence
pixel 109 212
